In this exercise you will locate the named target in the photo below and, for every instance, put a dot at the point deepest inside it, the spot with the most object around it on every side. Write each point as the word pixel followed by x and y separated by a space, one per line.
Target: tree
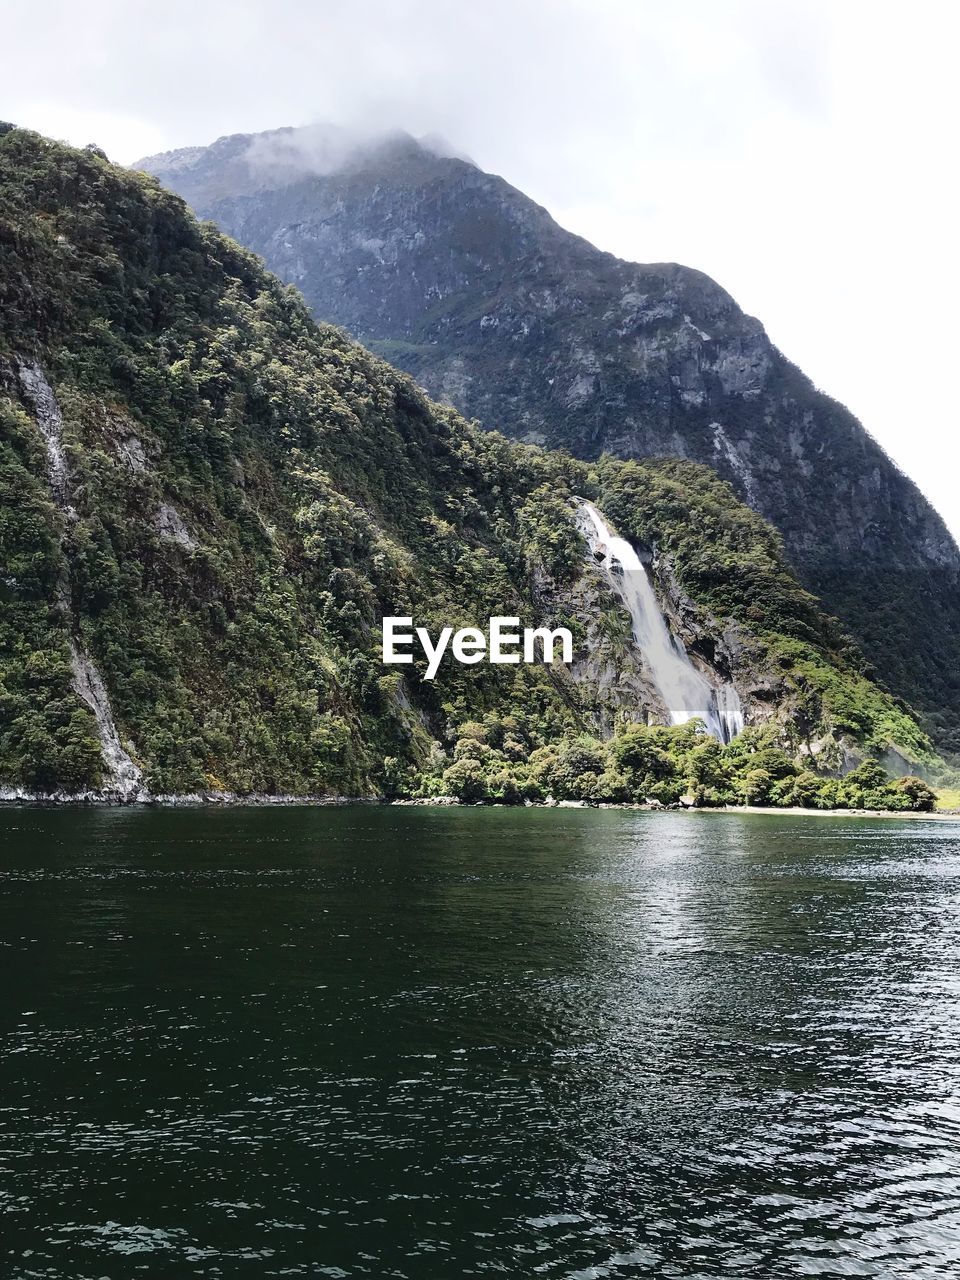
pixel 922 798
pixel 464 779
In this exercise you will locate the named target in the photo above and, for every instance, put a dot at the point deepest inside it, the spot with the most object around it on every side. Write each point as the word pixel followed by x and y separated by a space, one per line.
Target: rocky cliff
pixel 460 279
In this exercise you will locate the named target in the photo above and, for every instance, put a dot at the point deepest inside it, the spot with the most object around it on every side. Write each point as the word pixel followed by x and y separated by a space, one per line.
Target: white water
pixel 729 711
pixel 123 777
pixel 686 692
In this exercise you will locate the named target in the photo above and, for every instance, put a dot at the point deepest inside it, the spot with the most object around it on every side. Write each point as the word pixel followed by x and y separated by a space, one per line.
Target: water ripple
pixel 431 1044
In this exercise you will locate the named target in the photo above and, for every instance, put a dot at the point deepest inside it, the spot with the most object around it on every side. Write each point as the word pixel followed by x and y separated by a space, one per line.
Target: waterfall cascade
pixel 686 692
pixel 123 777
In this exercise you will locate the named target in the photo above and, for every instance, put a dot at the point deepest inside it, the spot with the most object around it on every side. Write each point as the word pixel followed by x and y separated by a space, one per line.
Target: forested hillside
pixel 208 502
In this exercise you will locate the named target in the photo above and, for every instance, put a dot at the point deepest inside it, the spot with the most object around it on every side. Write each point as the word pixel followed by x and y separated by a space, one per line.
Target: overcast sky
pixel 803 154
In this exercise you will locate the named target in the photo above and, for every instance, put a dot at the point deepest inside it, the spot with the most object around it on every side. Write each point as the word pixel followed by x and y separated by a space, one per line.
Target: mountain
pixel 209 502
pixel 464 282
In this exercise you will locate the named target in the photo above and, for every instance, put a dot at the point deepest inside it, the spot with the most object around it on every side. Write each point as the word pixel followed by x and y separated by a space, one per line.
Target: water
pixel 419 1043
pixel 122 777
pixel 686 692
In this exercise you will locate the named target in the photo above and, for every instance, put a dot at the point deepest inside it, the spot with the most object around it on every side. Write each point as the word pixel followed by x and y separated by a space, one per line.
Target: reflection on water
pixel 443 1043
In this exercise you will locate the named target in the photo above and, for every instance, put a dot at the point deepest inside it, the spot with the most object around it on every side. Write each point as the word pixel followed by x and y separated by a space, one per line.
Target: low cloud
pixel 283 156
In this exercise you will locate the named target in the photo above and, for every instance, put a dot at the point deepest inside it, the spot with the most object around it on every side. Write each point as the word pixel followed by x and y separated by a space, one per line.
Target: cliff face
pixel 458 278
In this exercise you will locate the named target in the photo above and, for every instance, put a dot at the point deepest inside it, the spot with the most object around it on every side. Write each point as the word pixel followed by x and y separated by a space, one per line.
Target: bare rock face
pixel 613 684
pixel 460 279
pixel 170 524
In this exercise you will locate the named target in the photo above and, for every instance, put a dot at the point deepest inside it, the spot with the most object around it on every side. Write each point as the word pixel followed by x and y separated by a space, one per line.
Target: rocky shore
pixel 228 799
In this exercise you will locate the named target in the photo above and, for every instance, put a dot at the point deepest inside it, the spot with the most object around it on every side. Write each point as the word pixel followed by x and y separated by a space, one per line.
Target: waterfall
pixel 729 711
pixel 123 777
pixel 686 692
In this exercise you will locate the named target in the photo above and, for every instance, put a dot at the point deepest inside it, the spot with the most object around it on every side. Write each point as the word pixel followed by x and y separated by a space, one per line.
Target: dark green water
pixel 442 1043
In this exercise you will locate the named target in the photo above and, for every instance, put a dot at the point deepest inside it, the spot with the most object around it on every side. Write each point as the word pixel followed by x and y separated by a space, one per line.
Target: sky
pixel 801 153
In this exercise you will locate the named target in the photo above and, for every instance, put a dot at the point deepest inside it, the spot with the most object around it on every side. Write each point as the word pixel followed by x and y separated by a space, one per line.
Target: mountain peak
pixel 247 163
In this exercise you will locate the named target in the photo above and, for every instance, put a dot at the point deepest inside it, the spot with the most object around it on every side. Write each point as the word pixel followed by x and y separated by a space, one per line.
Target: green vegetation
pixel 495 760
pixel 47 737
pixel 732 562
pixel 251 492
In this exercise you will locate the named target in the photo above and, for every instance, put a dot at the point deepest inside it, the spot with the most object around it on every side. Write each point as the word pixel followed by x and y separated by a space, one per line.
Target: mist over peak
pixel 282 156
pixel 276 158
pixel 316 150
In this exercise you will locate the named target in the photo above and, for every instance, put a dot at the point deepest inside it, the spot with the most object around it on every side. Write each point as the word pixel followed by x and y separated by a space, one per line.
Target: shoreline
pixel 14 796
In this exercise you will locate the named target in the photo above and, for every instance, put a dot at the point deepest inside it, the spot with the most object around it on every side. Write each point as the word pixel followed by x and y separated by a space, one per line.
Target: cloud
pixel 800 152
pixel 284 155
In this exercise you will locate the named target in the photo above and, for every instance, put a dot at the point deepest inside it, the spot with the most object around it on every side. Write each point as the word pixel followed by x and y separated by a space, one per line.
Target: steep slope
pixel 457 277
pixel 208 502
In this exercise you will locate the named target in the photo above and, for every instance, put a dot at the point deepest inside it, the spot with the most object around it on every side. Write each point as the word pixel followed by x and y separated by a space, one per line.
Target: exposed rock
pixel 124 779
pixel 38 394
pixel 170 525
pixel 132 453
